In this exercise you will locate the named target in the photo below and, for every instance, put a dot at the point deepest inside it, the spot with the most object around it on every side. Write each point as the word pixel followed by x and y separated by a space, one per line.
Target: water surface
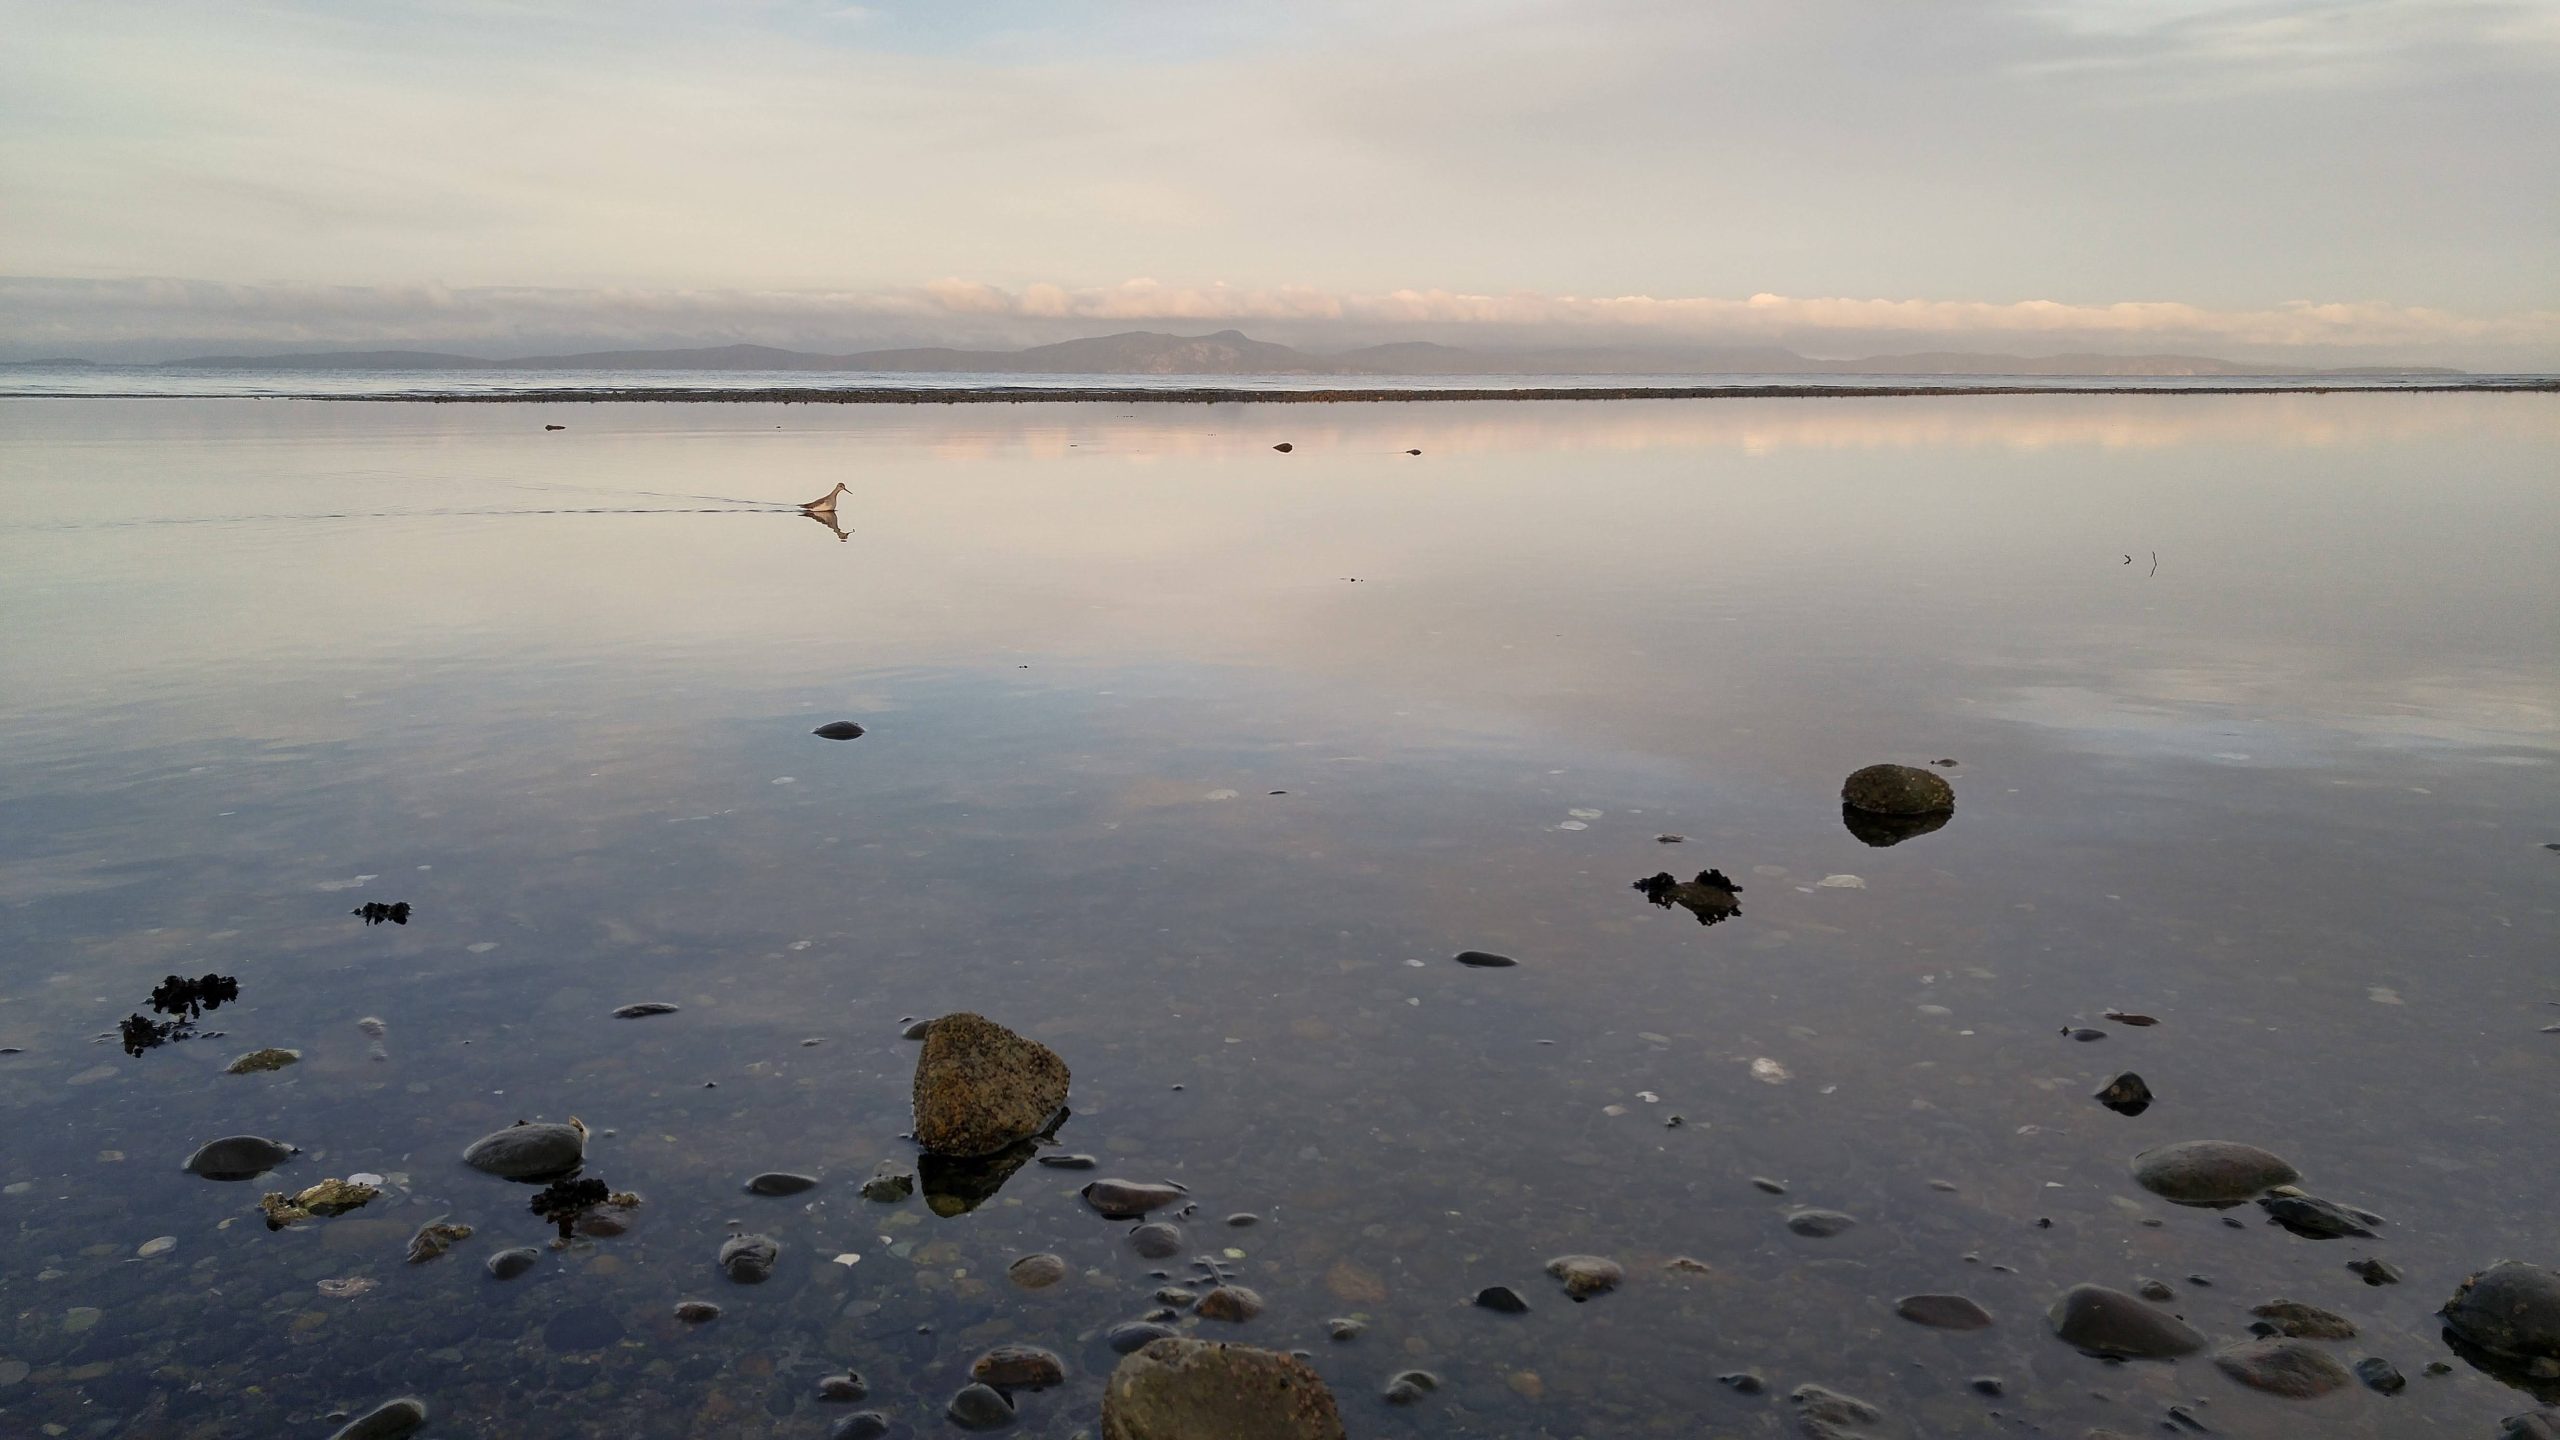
pixel 1197 762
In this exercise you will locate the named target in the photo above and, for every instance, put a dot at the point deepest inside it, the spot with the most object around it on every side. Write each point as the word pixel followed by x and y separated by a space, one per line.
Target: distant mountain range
pixel 1231 352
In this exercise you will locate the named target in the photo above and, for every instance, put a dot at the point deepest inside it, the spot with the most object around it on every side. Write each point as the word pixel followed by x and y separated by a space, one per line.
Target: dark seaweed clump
pixel 1712 897
pixel 375 912
pixel 184 998
pixel 563 1201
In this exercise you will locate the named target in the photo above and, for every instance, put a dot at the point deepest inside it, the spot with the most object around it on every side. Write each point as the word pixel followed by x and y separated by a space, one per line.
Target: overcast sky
pixel 2318 179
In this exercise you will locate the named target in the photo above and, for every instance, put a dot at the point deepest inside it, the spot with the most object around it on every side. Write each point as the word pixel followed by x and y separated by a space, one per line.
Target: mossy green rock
pixel 258 1062
pixel 1181 1389
pixel 979 1087
pixel 1897 790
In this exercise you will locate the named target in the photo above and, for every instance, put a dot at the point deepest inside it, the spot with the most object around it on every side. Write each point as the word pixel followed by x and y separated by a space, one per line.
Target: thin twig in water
pixel 2155 562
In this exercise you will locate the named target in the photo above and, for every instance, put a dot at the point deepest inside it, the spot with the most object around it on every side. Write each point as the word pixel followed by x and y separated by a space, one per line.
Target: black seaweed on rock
pixel 375 912
pixel 1711 897
pixel 181 997
pixel 563 1201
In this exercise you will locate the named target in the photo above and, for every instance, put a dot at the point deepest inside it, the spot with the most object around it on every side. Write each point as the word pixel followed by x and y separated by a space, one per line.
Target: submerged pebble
pixel 642 1009
pixel 860 1425
pixel 1409 1387
pixel 979 1407
pixel 2294 1369
pixel 749 1259
pixel 1156 1240
pixel 2374 1272
pixel 696 1312
pixel 2210 1172
pixel 1943 1312
pixel 2100 1321
pixel 1819 1224
pixel 508 1264
pixel 1502 1299
pixel 781 1182
pixel 1130 1199
pixel 1037 1272
pixel 2380 1375
pixel 844 1389
pixel 2296 1320
pixel 1133 1335
pixel 1233 1303
pixel 1018 1367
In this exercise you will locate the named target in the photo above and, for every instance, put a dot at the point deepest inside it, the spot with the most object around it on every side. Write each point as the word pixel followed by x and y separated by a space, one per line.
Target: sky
pixel 2331 181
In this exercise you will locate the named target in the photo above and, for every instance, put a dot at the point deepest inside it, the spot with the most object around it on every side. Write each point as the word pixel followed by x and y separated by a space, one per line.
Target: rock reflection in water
pixel 1881 830
pixel 957 1184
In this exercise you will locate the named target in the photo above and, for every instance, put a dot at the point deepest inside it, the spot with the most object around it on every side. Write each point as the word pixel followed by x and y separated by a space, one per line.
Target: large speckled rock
pixel 980 1087
pixel 1897 790
pixel 2108 1322
pixel 530 1151
pixel 1180 1389
pixel 2210 1172
pixel 2295 1369
pixel 2511 1307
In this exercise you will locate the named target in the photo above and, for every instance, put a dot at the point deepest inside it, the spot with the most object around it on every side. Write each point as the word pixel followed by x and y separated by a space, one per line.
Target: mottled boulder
pixel 2100 1321
pixel 1131 1199
pixel 979 1087
pixel 1586 1275
pixel 2210 1172
pixel 2296 1320
pixel 2295 1369
pixel 1825 1414
pixel 2512 1308
pixel 1897 790
pixel 1018 1367
pixel 749 1259
pixel 1180 1389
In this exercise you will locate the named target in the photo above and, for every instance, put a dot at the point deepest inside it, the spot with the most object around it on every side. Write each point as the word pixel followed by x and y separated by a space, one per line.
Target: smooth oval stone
pixel 1343 1327
pixel 2294 1369
pixel 2381 1376
pixel 1037 1272
pixel 781 1182
pixel 838 730
pixel 860 1425
pixel 1943 1312
pixel 2210 1172
pixel 385 1421
pixel 239 1157
pixel 1018 1367
pixel 980 1407
pixel 1130 1336
pixel 749 1259
pixel 1229 1302
pixel 508 1264
pixel 1897 790
pixel 1065 1162
pixel 537 1151
pixel 2126 1094
pixel 643 1009
pixel 1156 1241
pixel 1408 1387
pixel 2105 1322
pixel 2314 1218
pixel 1485 959
pixel 2512 1308
pixel 696 1312
pixel 842 1389
pixel 1819 1224
pixel 1501 1299
pixel 1130 1199
pixel 1586 1275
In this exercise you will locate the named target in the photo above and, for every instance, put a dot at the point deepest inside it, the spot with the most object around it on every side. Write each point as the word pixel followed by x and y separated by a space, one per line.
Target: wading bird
pixel 825 504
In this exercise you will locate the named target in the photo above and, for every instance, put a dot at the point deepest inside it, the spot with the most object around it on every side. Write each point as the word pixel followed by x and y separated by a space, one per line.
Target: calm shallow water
pixel 2290 793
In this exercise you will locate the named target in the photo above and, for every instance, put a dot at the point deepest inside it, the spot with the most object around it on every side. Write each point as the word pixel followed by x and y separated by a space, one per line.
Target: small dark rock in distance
pixel 838 730
pixel 643 1009
pixel 1484 959
pixel 1501 1299
pixel 2381 1376
pixel 860 1425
